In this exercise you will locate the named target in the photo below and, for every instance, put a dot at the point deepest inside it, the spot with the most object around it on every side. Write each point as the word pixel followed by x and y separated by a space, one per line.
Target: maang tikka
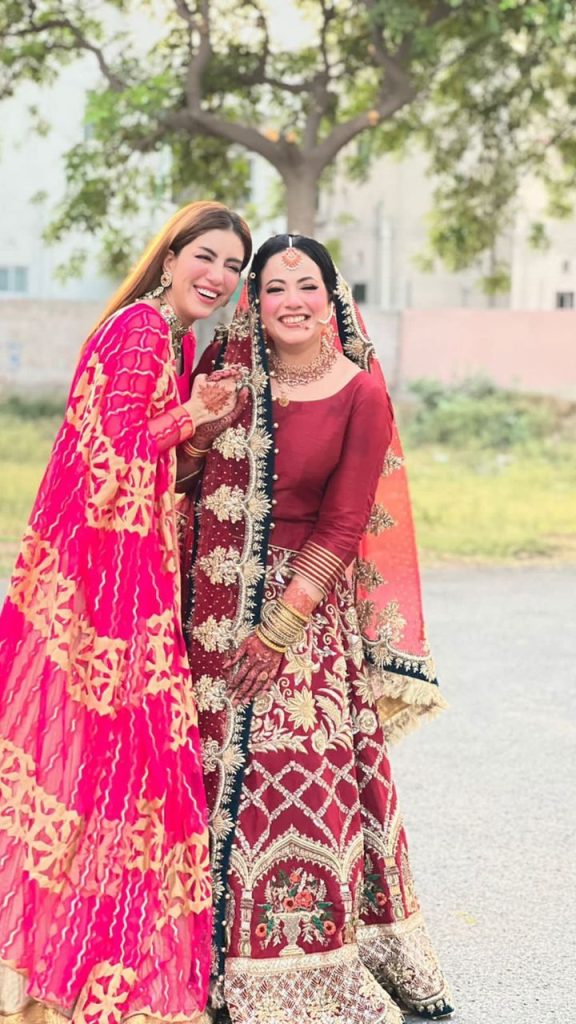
pixel 291 257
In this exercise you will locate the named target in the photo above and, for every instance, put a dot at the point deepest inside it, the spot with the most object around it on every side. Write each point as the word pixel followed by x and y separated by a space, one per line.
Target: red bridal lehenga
pixel 105 892
pixel 316 918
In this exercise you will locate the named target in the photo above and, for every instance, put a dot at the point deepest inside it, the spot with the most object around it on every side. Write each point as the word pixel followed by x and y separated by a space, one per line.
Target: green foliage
pixel 477 414
pixel 485 86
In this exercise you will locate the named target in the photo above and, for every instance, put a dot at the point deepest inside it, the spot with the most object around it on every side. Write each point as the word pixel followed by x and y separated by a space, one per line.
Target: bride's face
pixel 293 301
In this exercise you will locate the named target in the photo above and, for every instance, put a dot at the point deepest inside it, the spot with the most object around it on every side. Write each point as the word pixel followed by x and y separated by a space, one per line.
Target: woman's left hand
pixel 252 670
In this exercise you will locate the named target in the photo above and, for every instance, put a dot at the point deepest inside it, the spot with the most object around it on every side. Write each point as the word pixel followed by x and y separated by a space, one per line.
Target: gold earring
pixel 166 279
pixel 329 317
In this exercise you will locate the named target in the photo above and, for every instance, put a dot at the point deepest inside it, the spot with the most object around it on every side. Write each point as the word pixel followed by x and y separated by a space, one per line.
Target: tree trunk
pixel 301 198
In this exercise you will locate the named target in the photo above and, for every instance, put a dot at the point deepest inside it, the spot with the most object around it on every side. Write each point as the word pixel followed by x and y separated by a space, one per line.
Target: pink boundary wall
pixel 526 351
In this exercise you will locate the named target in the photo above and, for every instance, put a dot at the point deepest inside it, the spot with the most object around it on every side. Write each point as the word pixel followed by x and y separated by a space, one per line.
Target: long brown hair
pixel 183 227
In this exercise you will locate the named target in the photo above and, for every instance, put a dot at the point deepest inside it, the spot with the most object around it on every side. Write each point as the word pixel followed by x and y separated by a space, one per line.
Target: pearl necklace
pixel 291 376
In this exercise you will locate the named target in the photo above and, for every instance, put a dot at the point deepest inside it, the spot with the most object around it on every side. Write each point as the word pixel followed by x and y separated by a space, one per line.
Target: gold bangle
pixel 269 643
pixel 293 611
pixel 194 453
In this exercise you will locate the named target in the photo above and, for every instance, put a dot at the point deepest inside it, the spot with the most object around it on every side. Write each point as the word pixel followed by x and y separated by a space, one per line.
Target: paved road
pixel 489 792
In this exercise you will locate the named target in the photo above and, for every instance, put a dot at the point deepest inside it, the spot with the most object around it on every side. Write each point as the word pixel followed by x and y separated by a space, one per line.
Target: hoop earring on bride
pixel 329 317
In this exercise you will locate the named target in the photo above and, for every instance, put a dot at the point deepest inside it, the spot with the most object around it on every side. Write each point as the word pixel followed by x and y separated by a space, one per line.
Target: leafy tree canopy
pixel 487 87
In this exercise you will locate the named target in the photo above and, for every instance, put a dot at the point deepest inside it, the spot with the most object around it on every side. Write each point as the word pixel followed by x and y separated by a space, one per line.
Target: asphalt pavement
pixel 488 792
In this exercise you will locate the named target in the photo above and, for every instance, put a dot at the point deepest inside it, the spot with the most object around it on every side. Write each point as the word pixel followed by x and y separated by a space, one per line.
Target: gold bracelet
pixel 267 642
pixel 293 611
pixel 183 479
pixel 194 453
pixel 282 625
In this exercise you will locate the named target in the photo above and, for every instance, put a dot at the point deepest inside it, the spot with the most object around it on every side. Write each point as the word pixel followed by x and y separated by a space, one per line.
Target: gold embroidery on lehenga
pixel 401 956
pixel 331 988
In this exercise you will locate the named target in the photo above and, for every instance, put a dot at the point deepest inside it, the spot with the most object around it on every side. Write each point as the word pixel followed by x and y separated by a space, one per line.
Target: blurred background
pixel 430 145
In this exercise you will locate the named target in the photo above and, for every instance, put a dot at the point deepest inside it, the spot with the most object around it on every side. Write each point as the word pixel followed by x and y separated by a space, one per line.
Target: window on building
pixel 564 300
pixel 360 292
pixel 14 279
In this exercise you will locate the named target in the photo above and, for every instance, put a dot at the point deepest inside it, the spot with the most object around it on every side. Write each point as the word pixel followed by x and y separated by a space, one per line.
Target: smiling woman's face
pixel 205 274
pixel 292 302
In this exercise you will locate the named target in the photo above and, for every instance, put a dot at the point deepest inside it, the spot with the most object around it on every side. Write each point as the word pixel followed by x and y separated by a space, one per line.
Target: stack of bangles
pixel 192 453
pixel 280 626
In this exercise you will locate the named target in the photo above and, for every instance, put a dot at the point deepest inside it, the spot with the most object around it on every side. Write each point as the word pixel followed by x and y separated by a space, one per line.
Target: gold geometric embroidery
pixel 159 650
pixel 105 993
pixel 187 886
pixel 121 493
pixel 35 817
pixel 147 836
pixel 34 581
pixel 94 664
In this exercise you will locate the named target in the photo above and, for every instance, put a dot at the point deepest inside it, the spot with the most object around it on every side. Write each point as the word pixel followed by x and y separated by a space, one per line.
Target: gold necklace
pixel 290 376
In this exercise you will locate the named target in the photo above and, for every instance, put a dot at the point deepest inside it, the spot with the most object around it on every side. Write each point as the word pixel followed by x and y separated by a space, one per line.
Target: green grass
pixel 492 506
pixel 25 446
pixel 479 504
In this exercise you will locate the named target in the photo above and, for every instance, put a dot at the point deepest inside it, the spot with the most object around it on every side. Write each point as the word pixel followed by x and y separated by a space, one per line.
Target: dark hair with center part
pixel 309 246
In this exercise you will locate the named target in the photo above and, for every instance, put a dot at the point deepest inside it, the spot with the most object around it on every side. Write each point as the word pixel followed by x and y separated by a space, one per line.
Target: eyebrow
pixel 230 259
pixel 282 280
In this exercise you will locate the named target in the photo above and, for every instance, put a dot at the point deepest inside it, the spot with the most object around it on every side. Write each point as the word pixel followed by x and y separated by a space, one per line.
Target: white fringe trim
pixel 404 703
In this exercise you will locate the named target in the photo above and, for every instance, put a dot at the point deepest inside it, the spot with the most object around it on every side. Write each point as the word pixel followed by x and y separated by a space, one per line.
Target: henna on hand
pixel 252 670
pixel 206 432
pixel 215 396
pixel 299 597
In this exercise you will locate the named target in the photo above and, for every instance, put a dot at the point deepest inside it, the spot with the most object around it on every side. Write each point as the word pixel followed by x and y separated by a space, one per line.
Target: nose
pixel 216 273
pixel 292 299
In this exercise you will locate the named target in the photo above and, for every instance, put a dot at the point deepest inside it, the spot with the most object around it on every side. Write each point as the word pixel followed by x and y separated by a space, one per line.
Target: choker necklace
pixel 291 376
pixel 177 328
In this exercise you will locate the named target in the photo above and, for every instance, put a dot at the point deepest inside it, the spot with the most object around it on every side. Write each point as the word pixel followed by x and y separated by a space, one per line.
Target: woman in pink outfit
pixel 105 891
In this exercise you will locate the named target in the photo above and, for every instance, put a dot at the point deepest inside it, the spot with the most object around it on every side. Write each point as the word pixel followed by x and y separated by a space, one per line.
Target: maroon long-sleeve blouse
pixel 330 454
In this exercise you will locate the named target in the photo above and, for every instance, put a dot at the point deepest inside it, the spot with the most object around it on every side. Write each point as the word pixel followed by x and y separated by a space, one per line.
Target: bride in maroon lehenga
pixel 308 652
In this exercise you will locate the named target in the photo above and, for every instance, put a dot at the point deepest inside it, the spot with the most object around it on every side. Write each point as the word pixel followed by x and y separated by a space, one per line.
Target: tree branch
pixel 342 134
pixel 82 43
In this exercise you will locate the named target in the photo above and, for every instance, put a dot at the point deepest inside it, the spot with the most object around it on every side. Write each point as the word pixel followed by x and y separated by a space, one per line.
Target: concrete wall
pixel 525 351
pixel 40 341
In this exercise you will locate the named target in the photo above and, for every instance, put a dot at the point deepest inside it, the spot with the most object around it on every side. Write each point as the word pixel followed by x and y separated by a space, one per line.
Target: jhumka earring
pixel 291 257
pixel 166 279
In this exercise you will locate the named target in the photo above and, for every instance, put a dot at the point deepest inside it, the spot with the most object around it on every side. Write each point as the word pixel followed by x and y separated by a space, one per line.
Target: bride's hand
pixel 251 670
pixel 215 404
